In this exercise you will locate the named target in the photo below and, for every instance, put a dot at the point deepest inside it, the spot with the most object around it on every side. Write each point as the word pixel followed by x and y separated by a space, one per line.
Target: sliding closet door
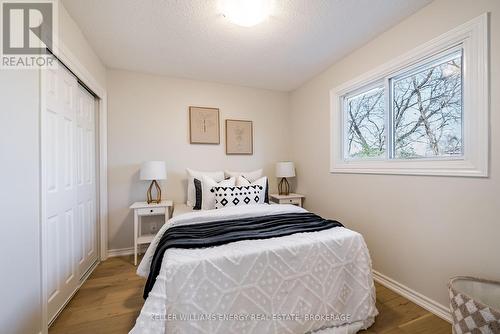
pixel 86 180
pixel 69 160
pixel 60 196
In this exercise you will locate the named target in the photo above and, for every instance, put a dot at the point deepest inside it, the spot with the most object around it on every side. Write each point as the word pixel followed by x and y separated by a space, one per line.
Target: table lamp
pixel 152 171
pixel 284 169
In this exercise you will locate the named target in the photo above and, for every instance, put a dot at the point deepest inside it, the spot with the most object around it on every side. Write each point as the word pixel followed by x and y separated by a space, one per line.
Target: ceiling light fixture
pixel 245 13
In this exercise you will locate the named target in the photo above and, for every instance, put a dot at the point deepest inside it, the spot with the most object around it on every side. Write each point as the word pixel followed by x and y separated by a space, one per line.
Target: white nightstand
pixel 295 199
pixel 142 209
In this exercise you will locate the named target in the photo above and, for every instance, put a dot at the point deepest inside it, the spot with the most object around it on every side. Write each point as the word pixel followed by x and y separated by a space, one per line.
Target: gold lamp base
pixel 157 200
pixel 284 187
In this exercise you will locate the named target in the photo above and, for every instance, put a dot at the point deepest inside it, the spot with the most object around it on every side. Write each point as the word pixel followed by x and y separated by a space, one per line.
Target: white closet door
pixel 68 136
pixel 86 180
pixel 59 139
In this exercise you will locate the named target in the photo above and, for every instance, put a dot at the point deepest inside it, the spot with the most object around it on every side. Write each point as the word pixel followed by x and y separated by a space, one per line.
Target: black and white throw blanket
pixel 218 233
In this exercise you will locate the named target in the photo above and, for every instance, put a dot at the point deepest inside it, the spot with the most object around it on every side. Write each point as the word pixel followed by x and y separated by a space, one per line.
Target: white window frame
pixel 472 37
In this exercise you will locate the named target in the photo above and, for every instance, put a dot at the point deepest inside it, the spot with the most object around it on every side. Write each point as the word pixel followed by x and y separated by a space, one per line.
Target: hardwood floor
pixel 110 300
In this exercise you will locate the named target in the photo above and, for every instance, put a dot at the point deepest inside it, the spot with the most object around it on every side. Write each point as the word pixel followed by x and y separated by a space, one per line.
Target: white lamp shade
pixel 285 169
pixel 153 170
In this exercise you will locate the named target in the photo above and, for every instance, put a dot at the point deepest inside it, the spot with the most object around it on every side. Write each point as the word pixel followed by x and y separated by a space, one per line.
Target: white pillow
pixel 235 196
pixel 250 176
pixel 208 197
pixel 242 181
pixel 194 174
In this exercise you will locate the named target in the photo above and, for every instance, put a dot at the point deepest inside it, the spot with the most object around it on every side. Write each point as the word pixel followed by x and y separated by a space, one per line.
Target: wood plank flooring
pixel 110 300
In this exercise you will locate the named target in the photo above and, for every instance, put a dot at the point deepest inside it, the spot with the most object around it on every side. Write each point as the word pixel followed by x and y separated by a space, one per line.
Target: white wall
pixel 148 120
pixel 20 288
pixel 20 311
pixel 420 230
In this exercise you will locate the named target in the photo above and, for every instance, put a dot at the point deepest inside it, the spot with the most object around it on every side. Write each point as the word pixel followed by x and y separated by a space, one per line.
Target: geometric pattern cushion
pixel 470 316
pixel 234 196
pixel 208 196
pixel 243 181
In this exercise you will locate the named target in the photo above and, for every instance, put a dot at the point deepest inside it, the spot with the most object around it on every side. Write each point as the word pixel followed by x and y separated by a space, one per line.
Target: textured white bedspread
pixel 294 284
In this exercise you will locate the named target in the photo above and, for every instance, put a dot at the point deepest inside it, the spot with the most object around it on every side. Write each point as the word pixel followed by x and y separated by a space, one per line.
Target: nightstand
pixel 295 199
pixel 142 209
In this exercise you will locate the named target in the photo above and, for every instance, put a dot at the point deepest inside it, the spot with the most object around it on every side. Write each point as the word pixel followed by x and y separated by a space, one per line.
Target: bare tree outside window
pixel 426 114
pixel 365 131
pixel 427 111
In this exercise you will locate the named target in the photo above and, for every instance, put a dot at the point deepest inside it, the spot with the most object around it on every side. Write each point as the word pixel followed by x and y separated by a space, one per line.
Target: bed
pixel 300 283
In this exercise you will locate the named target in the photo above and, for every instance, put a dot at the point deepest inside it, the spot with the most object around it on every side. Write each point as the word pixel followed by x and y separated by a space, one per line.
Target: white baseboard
pixel 126 251
pixel 120 252
pixel 425 302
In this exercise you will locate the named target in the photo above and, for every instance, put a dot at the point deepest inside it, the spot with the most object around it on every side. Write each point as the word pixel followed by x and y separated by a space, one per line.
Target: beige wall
pixel 20 311
pixel 420 230
pixel 148 120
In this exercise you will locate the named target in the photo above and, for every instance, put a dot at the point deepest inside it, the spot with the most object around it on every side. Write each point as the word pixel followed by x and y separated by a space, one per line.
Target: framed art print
pixel 239 137
pixel 204 125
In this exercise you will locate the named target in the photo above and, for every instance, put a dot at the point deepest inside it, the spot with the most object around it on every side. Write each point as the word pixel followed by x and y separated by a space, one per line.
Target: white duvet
pixel 305 282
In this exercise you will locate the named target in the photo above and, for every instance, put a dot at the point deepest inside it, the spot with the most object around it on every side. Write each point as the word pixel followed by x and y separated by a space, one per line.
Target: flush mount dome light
pixel 245 13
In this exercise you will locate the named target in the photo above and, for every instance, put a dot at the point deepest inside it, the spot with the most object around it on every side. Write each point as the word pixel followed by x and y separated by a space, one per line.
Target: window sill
pixel 431 168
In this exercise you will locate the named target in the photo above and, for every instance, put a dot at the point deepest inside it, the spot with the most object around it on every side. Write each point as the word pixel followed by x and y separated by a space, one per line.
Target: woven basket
pixel 469 314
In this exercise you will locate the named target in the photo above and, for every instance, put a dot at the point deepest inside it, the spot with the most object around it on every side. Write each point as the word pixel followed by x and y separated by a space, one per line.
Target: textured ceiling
pixel 191 39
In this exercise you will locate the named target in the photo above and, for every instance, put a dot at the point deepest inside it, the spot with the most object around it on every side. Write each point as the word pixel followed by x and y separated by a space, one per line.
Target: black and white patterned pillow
pixel 233 196
pixel 243 181
pixel 202 189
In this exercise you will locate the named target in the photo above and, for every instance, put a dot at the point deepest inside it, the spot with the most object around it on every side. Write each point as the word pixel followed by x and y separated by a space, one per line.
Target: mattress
pixel 305 282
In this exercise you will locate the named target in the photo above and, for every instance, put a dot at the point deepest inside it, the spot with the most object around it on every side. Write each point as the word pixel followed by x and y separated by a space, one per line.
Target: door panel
pixel 53 257
pixel 86 185
pixel 60 194
pixel 70 186
pixel 68 242
pixel 51 150
pixel 79 241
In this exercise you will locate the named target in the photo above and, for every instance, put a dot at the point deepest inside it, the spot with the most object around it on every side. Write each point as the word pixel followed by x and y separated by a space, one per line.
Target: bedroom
pixel 276 86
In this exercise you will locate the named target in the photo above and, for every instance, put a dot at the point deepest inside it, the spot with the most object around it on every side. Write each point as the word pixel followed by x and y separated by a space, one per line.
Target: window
pixel 426 109
pixel 365 124
pixel 424 113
